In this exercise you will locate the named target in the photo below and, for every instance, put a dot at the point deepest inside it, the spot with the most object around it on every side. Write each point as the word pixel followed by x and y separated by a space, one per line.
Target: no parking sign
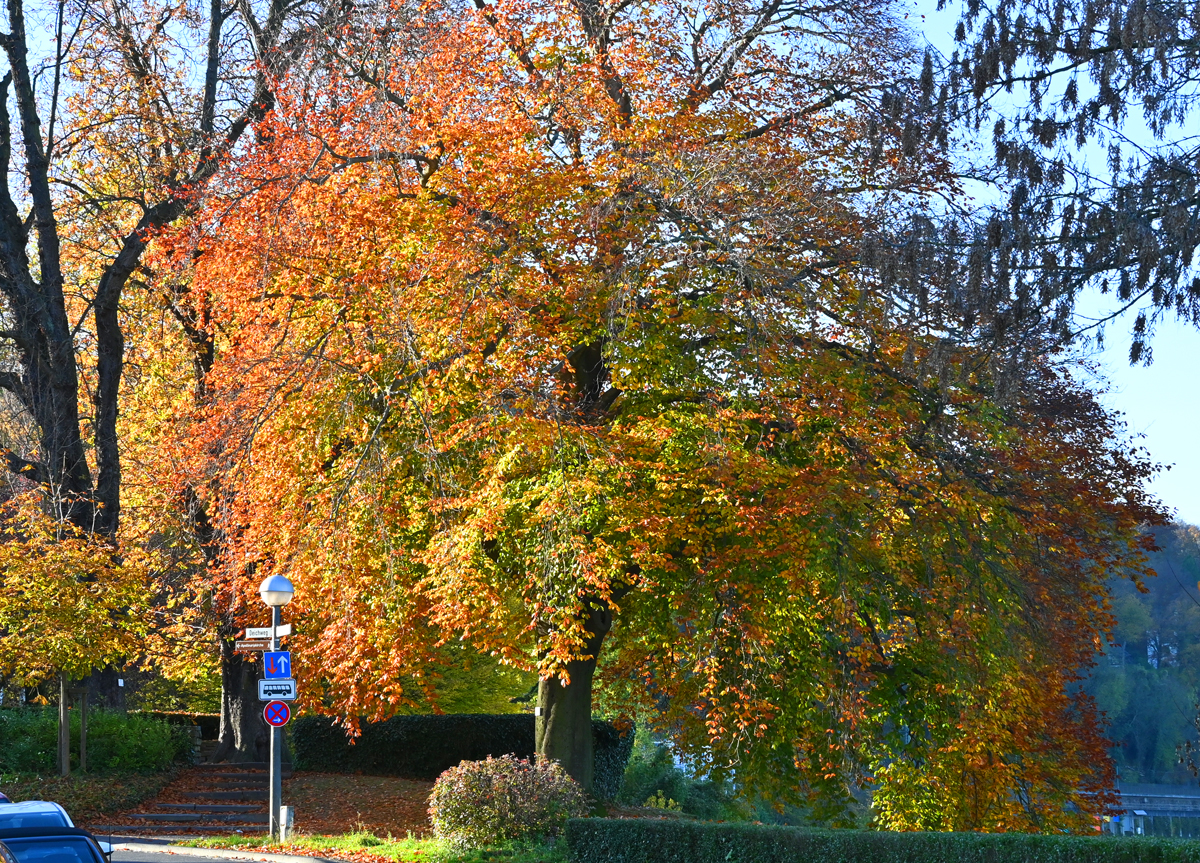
pixel 277 714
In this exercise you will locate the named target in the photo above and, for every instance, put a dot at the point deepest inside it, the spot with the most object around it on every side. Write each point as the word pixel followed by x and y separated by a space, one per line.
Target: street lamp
pixel 276 591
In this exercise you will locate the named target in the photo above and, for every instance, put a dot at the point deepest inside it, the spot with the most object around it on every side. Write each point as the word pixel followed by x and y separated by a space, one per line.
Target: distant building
pixel 1156 810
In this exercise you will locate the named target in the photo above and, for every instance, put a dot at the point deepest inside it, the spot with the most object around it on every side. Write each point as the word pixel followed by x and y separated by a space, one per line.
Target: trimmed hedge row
pixel 210 723
pixel 643 840
pixel 421 747
pixel 609 758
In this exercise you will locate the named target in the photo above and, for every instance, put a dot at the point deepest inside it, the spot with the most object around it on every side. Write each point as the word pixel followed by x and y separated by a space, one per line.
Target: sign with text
pixel 252 644
pixel 277 690
pixel 277 664
pixel 265 631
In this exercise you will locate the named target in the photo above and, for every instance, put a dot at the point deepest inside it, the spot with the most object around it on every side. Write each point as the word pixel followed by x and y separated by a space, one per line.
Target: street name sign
pixel 277 690
pixel 252 644
pixel 265 631
pixel 277 664
pixel 277 714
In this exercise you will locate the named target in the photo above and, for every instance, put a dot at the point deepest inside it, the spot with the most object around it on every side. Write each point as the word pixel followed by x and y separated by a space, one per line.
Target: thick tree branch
pixel 30 470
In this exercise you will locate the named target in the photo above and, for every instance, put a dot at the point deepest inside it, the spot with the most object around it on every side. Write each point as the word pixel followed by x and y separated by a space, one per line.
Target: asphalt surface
pixel 156 850
pixel 123 856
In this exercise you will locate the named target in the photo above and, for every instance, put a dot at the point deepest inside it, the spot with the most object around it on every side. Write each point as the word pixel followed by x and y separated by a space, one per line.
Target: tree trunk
pixel 563 719
pixel 241 722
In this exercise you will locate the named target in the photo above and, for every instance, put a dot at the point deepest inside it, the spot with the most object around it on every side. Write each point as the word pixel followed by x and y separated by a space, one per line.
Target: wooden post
pixel 83 730
pixel 64 726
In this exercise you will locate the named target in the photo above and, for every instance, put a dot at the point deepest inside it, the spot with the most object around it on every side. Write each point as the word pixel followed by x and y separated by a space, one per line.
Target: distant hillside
pixel 1148 685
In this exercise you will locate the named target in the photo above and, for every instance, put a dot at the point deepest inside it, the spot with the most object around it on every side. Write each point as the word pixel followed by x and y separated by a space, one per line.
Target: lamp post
pixel 276 591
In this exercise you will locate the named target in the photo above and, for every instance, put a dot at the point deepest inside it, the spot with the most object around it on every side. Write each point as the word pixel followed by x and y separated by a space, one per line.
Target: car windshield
pixel 31 819
pixel 52 849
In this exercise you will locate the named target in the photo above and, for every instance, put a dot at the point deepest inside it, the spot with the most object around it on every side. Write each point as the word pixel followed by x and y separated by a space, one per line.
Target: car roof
pixel 37 832
pixel 32 806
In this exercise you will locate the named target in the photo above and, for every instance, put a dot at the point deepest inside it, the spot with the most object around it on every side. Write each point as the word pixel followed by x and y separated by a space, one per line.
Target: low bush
pixel 116 741
pixel 422 747
pixel 651 774
pixel 480 803
pixel 645 840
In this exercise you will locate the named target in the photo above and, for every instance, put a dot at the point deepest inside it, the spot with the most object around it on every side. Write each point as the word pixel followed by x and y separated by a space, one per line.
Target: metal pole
pixel 64 726
pixel 276 792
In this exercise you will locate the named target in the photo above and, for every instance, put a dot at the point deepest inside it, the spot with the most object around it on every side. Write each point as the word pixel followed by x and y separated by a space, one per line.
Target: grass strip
pixel 365 847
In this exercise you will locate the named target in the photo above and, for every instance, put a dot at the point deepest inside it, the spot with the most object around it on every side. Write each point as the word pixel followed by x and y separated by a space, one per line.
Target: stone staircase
pixel 224 798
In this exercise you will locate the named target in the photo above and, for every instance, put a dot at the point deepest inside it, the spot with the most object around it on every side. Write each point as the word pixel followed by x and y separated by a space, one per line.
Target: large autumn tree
pixel 589 339
pixel 114 117
pixel 114 147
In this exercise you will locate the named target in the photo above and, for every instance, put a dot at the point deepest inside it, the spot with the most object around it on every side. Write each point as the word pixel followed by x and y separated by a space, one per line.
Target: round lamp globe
pixel 276 590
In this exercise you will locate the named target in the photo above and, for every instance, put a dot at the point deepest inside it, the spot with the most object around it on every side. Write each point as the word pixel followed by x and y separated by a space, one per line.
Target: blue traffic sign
pixel 277 664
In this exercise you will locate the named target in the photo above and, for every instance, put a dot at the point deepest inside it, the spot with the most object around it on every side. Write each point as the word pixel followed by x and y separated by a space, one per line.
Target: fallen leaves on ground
pixel 329 803
pixel 85 796
pixel 340 803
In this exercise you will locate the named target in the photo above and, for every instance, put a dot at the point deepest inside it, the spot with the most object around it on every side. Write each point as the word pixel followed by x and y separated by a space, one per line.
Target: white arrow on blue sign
pixel 277 664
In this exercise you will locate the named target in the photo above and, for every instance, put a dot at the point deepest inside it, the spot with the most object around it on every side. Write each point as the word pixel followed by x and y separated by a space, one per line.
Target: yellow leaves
pixel 68 602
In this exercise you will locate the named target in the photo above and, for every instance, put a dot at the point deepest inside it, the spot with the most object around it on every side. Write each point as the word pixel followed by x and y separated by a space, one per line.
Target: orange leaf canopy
pixel 519 308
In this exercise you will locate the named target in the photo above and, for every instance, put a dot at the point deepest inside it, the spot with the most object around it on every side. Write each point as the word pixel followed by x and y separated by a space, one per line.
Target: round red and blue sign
pixel 277 714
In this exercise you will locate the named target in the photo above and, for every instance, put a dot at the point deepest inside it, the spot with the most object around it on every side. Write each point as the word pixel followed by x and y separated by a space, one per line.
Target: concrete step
pixel 123 829
pixel 210 807
pixel 174 817
pixel 226 795
pixel 239 786
pixel 189 817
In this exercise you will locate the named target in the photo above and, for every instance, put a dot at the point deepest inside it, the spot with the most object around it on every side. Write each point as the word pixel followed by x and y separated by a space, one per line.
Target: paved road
pixel 122 856
pixel 157 851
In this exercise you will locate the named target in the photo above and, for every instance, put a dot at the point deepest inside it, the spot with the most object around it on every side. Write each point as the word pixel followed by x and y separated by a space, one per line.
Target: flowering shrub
pixel 479 803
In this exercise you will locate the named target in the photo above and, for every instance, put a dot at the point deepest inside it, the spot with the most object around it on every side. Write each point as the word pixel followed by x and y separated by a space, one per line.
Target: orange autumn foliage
pixel 519 314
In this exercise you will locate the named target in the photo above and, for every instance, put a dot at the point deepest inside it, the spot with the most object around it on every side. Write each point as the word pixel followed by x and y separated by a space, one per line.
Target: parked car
pixel 51 845
pixel 34 813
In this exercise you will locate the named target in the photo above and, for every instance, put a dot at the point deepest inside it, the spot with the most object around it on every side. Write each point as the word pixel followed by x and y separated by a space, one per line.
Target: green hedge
pixel 210 723
pixel 643 840
pixel 421 747
pixel 610 758
pixel 116 741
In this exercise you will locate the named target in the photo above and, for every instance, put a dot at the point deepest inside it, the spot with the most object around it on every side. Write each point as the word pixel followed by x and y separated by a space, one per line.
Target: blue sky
pixel 1160 403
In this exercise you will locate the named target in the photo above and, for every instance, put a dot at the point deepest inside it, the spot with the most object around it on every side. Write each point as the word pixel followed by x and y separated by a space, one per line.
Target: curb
pixel 187 850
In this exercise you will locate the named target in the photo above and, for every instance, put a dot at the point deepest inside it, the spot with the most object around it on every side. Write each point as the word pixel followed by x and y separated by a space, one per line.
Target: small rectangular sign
pixel 277 664
pixel 252 644
pixel 277 690
pixel 265 631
